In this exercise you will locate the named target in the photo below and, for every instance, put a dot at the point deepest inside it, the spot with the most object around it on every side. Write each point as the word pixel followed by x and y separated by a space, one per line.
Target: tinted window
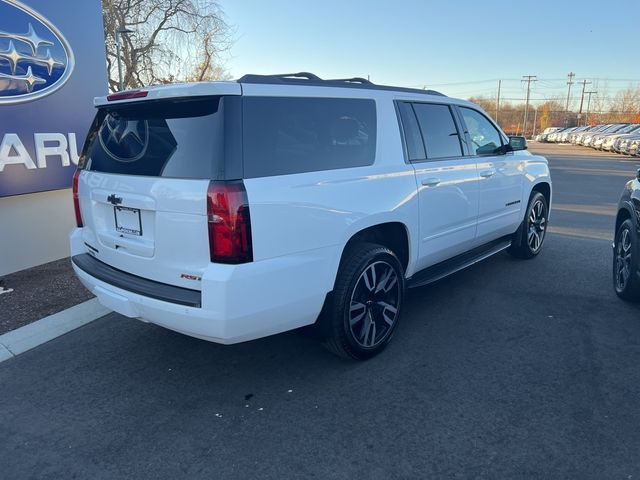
pixel 438 130
pixel 413 139
pixel 485 138
pixel 180 139
pixel 293 135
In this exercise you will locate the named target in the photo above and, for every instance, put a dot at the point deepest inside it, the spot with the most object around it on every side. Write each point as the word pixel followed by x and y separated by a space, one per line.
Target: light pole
pixel 119 31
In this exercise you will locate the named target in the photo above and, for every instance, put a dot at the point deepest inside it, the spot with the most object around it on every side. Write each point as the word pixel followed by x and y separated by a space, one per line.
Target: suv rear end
pixel 177 226
pixel 151 178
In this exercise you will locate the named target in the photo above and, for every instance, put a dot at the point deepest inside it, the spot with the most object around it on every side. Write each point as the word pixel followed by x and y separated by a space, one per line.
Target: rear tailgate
pixel 146 168
pixel 157 230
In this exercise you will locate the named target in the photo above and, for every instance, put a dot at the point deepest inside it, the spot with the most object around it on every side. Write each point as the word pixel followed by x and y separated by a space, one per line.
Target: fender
pixel 630 201
pixel 536 171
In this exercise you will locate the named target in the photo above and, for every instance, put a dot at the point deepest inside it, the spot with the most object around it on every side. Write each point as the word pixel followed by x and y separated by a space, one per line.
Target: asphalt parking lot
pixel 510 369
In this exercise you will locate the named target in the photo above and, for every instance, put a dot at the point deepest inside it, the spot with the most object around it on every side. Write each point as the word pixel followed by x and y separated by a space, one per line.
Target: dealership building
pixel 52 65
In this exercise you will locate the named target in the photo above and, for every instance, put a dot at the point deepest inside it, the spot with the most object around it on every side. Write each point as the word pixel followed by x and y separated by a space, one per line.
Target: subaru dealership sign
pixel 52 64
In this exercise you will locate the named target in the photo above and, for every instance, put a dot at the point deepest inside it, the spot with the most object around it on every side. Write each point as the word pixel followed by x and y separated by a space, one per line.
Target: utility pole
pixel 498 100
pixel 535 121
pixel 528 79
pixel 586 121
pixel 584 85
pixel 570 82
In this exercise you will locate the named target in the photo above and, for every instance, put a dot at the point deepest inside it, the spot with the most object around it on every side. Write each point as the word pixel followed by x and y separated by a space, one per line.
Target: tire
pixel 625 263
pixel 365 306
pixel 528 239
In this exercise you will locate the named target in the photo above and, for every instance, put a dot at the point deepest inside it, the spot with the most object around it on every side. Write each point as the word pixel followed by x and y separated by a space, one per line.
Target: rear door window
pixel 285 135
pixel 439 131
pixel 168 138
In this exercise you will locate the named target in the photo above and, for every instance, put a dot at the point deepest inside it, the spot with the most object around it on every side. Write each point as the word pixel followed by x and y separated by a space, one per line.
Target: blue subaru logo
pixel 123 139
pixel 35 58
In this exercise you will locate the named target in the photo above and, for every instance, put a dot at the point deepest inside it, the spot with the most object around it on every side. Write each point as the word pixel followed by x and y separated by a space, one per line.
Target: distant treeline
pixel 623 108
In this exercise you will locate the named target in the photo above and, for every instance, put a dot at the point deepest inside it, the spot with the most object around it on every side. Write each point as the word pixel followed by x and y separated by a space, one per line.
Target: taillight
pixel 229 223
pixel 76 199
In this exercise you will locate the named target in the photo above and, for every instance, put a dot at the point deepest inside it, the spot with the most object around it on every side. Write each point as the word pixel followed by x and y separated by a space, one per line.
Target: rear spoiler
pixel 175 90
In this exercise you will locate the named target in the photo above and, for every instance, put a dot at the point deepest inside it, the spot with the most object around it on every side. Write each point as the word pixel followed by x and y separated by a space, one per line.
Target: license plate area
pixel 128 220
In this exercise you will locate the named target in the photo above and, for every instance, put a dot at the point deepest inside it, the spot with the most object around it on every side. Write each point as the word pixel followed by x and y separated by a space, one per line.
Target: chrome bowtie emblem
pixel 123 139
pixel 35 58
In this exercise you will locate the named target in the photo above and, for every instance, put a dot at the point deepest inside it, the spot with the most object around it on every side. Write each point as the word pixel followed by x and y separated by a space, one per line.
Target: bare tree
pixel 173 40
pixel 626 104
pixel 600 103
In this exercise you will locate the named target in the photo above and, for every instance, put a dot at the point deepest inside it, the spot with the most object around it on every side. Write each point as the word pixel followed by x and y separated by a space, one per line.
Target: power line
pixel 544 99
pixel 542 80
pixel 473 82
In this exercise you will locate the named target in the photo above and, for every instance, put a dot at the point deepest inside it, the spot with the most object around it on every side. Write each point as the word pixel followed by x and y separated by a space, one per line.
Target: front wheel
pixel 625 263
pixel 366 303
pixel 528 239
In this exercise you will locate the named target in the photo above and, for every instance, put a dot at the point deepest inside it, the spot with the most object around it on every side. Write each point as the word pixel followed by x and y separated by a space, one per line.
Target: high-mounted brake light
pixel 76 199
pixel 229 223
pixel 127 95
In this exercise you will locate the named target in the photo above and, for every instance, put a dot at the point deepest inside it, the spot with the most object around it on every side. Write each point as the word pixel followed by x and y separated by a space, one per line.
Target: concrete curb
pixel 30 336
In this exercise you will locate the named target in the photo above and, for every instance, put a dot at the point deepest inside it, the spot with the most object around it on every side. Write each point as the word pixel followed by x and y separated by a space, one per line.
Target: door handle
pixel 487 173
pixel 431 182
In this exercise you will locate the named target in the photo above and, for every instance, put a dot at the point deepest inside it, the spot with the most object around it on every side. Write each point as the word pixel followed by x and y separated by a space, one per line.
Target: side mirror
pixel 517 143
pixel 638 174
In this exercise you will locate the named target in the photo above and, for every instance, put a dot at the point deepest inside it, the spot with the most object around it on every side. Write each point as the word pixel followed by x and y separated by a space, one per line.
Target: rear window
pixel 168 138
pixel 284 135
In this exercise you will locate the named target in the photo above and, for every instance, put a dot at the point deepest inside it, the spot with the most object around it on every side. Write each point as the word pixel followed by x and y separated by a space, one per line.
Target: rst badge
pixel 35 58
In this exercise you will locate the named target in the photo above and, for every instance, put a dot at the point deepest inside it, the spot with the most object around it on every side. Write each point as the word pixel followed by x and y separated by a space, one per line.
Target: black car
pixel 626 245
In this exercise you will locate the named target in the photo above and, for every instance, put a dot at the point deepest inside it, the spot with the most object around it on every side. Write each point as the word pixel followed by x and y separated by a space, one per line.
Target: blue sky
pixel 442 43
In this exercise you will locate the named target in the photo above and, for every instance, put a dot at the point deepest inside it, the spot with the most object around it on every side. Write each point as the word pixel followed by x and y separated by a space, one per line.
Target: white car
pixel 544 136
pixel 230 211
pixel 609 142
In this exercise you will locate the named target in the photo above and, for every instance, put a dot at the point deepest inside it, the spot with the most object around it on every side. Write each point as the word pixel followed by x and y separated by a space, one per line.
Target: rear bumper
pixel 238 302
pixel 134 284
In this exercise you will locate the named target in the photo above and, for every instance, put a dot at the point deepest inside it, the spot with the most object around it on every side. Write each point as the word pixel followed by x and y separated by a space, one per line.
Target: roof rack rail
pixel 309 79
pixel 252 78
pixel 351 80
pixel 433 92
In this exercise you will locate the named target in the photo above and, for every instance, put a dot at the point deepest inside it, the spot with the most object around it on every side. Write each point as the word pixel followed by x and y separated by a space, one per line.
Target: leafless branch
pixel 174 40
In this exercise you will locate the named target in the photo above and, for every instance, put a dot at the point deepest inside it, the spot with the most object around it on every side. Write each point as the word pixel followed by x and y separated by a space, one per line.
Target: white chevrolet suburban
pixel 235 210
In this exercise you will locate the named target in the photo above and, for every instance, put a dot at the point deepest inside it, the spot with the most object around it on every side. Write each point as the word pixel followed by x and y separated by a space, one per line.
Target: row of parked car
pixel 621 138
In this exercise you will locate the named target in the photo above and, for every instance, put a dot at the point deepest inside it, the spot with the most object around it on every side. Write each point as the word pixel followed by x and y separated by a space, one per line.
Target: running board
pixel 455 264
